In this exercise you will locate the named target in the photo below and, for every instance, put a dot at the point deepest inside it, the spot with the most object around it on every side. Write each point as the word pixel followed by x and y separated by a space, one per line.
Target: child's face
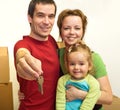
pixel 78 65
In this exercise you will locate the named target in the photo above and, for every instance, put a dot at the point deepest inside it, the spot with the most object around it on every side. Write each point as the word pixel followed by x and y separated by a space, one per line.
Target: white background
pixel 102 35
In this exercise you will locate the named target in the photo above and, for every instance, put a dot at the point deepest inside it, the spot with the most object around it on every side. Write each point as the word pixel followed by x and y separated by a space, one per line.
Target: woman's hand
pixel 106 92
pixel 20 95
pixel 73 93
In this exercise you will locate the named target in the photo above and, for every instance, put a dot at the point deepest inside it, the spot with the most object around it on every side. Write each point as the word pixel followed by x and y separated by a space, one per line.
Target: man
pixel 36 48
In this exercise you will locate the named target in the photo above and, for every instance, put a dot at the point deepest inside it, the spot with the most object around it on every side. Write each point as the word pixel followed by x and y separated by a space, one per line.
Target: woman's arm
pixel 106 91
pixel 73 93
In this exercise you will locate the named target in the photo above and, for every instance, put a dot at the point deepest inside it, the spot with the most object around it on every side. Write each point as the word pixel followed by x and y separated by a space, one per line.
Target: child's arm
pixel 60 94
pixel 93 94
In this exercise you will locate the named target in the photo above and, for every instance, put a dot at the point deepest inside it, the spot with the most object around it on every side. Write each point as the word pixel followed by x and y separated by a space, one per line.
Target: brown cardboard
pixel 6 96
pixel 115 104
pixel 4 65
pixel 60 44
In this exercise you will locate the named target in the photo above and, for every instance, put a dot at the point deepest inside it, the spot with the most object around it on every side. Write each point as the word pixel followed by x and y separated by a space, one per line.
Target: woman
pixel 72 25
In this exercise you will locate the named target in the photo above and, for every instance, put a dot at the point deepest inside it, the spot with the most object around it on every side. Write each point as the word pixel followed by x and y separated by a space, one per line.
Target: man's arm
pixel 28 67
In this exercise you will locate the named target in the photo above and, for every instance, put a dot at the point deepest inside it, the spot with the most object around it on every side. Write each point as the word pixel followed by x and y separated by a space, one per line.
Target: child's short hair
pixel 80 46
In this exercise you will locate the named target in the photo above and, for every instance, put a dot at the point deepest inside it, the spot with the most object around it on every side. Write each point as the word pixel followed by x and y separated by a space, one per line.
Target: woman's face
pixel 71 30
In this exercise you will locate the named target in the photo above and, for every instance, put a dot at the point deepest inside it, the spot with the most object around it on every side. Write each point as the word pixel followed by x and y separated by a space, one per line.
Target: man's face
pixel 42 21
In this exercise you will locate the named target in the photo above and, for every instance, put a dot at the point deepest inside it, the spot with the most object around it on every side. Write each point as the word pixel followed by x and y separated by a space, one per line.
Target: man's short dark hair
pixel 33 3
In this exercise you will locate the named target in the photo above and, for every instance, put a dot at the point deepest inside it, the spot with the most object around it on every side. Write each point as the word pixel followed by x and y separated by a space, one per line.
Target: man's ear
pixel 29 19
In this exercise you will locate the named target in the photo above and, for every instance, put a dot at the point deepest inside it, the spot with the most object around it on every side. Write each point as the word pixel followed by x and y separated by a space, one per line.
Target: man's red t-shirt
pixel 46 51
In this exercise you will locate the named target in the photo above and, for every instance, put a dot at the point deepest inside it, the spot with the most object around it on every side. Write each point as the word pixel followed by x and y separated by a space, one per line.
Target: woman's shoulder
pixel 96 56
pixel 61 51
pixel 99 66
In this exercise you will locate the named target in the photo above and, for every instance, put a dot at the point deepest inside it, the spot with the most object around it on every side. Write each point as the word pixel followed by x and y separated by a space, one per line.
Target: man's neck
pixel 37 37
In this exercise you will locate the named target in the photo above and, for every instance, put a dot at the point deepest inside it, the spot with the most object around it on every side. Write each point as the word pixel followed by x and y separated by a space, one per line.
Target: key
pixel 40 81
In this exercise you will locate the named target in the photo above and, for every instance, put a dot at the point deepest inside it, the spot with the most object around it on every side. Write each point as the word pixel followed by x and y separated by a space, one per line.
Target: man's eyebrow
pixel 39 13
pixel 45 13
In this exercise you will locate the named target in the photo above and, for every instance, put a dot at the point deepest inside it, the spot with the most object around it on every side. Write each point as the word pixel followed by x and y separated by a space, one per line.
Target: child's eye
pixel 81 63
pixel 71 64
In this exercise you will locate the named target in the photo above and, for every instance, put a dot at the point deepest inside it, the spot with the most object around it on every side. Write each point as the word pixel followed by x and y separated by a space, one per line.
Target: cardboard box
pixel 6 96
pixel 115 104
pixel 60 44
pixel 4 65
